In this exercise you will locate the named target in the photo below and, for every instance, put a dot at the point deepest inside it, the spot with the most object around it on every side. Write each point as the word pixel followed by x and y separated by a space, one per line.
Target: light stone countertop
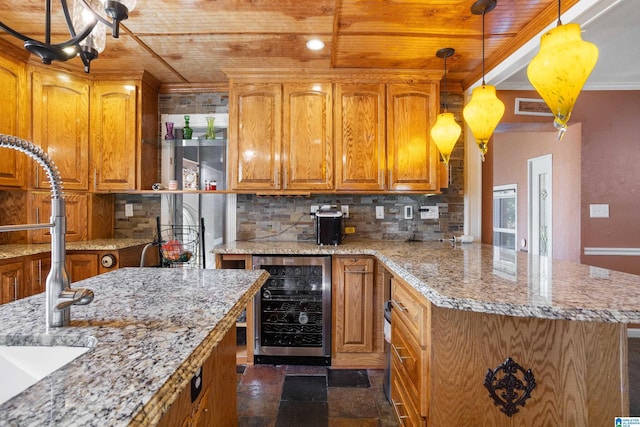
pixel 482 278
pixel 18 250
pixel 153 328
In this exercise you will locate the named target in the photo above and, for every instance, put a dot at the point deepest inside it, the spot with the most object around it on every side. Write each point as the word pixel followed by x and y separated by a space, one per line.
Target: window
pixel 505 216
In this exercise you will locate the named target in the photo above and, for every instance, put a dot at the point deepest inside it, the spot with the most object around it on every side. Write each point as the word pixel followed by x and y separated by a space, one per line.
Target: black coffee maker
pixel 329 226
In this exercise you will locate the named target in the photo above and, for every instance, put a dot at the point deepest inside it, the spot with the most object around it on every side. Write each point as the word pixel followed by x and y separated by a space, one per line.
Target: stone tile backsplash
pixel 289 219
pixel 146 208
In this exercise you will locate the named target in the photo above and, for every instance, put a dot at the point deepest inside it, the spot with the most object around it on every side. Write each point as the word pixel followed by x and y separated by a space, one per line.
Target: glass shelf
pixel 196 142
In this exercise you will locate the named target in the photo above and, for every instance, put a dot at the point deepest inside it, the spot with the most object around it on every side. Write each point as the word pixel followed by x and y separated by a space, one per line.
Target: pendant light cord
pixel 483 13
pixel 559 21
pixel 445 83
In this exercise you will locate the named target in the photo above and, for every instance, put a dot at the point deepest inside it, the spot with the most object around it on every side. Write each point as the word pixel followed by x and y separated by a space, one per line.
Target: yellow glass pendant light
pixel 445 132
pixel 484 111
pixel 560 69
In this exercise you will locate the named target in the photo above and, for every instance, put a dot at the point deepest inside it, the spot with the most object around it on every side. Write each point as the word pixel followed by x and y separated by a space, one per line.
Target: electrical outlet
pixel 379 212
pixel 128 209
pixel 408 212
pixel 345 210
pixel 429 212
pixel 314 209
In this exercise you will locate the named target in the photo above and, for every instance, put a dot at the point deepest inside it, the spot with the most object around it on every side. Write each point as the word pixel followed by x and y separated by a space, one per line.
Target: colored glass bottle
pixel 187 132
pixel 211 133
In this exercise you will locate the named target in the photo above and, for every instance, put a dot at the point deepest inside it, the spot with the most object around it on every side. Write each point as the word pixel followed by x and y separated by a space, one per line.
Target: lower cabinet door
pixel 82 266
pixel 354 304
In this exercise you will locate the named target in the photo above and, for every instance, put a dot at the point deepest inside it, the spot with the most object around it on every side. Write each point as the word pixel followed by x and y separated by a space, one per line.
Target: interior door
pixel 540 205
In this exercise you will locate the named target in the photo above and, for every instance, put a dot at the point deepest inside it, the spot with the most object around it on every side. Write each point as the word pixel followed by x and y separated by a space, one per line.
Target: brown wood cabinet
pixel 23 276
pixel 13 120
pixel 38 267
pixel 307 148
pixel 357 306
pixel 440 358
pixel 284 137
pixel 353 304
pixel 82 265
pixel 124 132
pixel 255 127
pixel 114 135
pixel 338 131
pixel 412 157
pixel 216 403
pixel 89 216
pixel 360 137
pixel 12 281
pixel 76 209
pixel 61 127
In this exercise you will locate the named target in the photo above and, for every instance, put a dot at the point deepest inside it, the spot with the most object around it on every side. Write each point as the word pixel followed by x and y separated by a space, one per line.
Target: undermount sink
pixel 25 363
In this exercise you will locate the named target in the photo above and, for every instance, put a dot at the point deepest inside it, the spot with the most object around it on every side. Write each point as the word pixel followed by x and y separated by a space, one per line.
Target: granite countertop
pixel 17 250
pixel 483 278
pixel 152 329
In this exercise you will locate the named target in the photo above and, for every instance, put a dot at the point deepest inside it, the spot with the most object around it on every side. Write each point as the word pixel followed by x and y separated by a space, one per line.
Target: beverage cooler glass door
pixel 293 308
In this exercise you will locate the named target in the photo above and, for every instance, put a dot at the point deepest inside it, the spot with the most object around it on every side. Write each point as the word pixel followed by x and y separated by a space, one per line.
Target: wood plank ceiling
pixel 192 41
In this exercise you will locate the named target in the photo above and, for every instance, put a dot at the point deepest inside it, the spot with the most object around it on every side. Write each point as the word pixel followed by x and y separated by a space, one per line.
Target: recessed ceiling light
pixel 315 44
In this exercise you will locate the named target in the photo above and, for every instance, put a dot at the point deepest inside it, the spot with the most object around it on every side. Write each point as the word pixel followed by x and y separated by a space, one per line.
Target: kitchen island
pixel 150 331
pixel 479 309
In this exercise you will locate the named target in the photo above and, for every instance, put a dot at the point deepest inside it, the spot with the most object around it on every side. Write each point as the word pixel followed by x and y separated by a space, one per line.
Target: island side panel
pixel 579 367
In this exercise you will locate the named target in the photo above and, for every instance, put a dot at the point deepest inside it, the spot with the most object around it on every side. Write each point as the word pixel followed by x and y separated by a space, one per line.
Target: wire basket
pixel 179 246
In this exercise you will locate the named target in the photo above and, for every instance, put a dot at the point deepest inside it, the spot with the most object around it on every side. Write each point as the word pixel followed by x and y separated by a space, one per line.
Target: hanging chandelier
pixel 446 131
pixel 87 23
pixel 560 69
pixel 484 111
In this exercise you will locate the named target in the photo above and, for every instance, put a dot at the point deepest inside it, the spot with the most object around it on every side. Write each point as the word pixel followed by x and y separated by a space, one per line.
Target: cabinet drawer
pixel 401 400
pixel 411 361
pixel 408 309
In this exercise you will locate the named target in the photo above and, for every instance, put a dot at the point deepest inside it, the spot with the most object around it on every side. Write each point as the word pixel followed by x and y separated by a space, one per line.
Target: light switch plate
pixel 128 209
pixel 379 212
pixel 599 210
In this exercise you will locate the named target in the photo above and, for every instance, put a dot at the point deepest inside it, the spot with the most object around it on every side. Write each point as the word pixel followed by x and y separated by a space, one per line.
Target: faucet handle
pixel 74 297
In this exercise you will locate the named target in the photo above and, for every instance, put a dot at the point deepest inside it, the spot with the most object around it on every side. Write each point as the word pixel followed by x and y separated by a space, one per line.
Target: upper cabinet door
pixel 114 135
pixel 12 120
pixel 360 136
pixel 255 135
pixel 61 127
pixel 411 155
pixel 307 154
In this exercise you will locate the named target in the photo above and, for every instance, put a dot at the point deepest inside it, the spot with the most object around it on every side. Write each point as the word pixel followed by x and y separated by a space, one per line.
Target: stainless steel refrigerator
pixel 198 168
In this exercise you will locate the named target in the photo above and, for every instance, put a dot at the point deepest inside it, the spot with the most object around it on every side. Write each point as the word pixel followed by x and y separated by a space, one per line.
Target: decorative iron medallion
pixel 509 386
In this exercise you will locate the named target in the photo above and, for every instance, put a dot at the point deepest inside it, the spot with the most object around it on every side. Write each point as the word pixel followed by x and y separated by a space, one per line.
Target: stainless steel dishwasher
pixel 293 310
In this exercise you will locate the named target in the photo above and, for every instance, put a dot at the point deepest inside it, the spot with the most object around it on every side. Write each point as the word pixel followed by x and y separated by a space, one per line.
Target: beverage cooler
pixel 293 310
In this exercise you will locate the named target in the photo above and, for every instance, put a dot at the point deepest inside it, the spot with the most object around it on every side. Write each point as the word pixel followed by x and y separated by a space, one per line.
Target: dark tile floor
pixel 309 396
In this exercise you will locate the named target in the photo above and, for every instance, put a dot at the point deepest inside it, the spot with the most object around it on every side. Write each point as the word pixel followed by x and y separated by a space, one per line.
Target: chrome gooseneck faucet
pixel 60 296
